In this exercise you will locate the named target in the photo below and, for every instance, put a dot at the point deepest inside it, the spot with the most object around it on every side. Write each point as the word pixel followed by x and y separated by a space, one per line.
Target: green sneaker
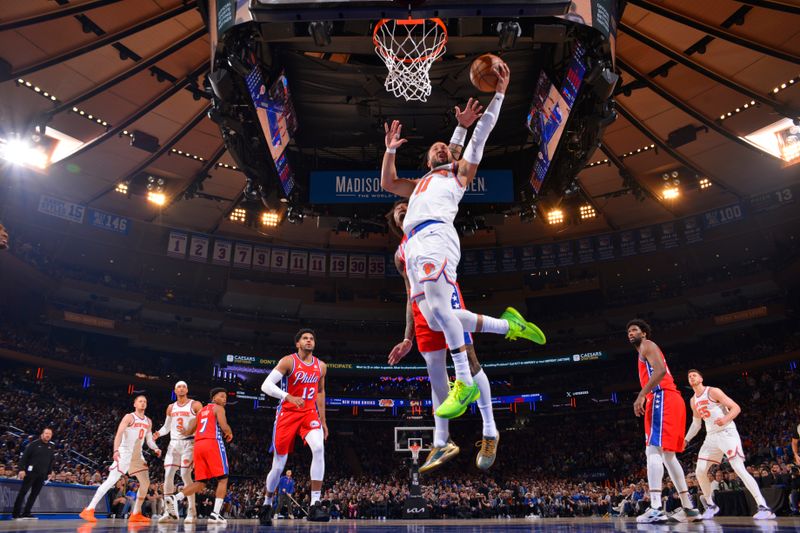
pixel 518 327
pixel 458 400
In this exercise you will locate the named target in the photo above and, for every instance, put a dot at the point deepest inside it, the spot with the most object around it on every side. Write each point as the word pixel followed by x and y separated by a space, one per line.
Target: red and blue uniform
pixel 429 340
pixel 291 420
pixel 210 459
pixel 665 410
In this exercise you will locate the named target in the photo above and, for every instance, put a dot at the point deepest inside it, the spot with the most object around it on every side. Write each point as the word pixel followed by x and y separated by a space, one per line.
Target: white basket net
pixel 408 48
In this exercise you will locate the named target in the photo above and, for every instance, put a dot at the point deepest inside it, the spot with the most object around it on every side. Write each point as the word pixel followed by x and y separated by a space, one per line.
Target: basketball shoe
pixel 518 327
pixel 216 518
pixel 88 515
pixel 318 513
pixel 652 516
pixel 710 512
pixel 458 399
pixel 439 456
pixel 265 515
pixel 684 514
pixel 764 513
pixel 488 452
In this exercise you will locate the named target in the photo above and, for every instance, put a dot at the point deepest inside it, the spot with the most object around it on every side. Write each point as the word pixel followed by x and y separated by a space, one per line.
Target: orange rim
pixel 409 22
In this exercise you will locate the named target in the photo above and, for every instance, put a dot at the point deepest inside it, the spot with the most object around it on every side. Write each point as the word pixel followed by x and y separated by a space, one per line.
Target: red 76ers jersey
pixel 303 382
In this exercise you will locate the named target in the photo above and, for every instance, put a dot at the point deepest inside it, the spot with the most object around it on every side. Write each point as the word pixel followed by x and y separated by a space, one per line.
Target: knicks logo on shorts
pixel 428 268
pixel 315 424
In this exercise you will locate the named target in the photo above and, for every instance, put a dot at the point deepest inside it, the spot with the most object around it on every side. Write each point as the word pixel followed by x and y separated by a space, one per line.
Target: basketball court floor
pixel 552 525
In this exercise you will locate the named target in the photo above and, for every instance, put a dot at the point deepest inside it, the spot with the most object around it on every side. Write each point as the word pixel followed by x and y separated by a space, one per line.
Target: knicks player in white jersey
pixel 134 430
pixel 180 452
pixel 433 250
pixel 711 405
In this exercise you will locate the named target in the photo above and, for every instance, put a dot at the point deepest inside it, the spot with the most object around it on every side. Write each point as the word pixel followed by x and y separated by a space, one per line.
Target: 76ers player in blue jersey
pixel 433 250
pixel 301 412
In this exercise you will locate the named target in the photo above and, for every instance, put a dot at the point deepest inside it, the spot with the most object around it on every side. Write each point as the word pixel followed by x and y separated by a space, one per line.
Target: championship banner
pixel 692 230
pixel 176 247
pixel 669 235
pixel 316 263
pixel 469 262
pixel 508 262
pixel 566 254
pixel 61 209
pixel 605 247
pixel 198 250
pixel 280 260
pixel 547 256
pixel 528 258
pixel 357 266
pixel 223 250
pixel 489 261
pixel 586 250
pixel 338 265
pixel 628 243
pixel 647 240
pixel 262 257
pixel 242 255
pixel 298 261
pixel 376 266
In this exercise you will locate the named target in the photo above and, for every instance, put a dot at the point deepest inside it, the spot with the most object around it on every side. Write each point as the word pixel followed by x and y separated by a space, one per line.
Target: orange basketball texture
pixel 481 72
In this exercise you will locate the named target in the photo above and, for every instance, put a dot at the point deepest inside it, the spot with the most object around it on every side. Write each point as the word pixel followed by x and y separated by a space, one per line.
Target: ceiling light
pixel 705 183
pixel 122 187
pixel 587 212
pixel 670 193
pixel 555 216
pixel 269 218
pixel 780 139
pixel 25 153
pixel 157 198
pixel 239 215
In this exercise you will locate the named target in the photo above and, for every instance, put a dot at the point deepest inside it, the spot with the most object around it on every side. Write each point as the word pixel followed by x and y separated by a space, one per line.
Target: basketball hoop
pixel 408 48
pixel 415 448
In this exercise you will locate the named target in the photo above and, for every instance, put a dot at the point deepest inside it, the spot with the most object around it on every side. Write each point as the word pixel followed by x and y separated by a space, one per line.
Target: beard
pixel 636 341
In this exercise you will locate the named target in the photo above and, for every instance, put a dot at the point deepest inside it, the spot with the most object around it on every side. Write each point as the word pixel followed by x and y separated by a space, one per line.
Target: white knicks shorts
pixel 722 443
pixel 129 462
pixel 433 252
pixel 180 454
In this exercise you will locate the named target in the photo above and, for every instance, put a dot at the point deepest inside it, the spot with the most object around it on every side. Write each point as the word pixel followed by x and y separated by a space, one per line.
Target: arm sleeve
pixel 474 150
pixel 270 385
pixel 151 443
pixel 166 427
pixel 693 429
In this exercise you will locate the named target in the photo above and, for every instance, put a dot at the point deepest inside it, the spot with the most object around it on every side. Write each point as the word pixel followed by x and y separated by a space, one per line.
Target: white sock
pixel 749 482
pixel 315 496
pixel 678 478
pixel 180 496
pixel 485 404
pixel 268 500
pixel 494 325
pixel 655 474
pixel 461 364
pixel 218 505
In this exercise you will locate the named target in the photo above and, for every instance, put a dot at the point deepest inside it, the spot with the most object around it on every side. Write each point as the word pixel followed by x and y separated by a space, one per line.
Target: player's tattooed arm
pixel 126 421
pixel 465 118
pixel 650 352
pixel 321 398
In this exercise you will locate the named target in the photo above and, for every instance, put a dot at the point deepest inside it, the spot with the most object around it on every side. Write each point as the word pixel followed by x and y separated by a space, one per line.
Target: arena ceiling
pixel 106 67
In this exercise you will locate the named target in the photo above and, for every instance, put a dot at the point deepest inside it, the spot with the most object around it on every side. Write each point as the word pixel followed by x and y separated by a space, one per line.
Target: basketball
pixel 482 74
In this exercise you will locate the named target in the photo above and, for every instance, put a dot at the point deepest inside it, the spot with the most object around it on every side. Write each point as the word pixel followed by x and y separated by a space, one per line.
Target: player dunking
pixel 133 431
pixel 664 425
pixel 300 412
pixel 714 407
pixel 433 249
pixel 180 452
pixel 210 427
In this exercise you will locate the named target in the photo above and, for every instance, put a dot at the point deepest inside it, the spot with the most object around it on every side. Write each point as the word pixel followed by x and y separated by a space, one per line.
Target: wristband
pixel 459 136
pixel 391 150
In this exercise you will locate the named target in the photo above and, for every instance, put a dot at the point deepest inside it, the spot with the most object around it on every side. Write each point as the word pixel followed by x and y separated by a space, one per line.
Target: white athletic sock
pixel 437 373
pixel 218 505
pixel 655 474
pixel 485 404
pixel 461 364
pixel 268 500
pixel 180 496
pixel 749 482
pixel 494 325
pixel 315 496
pixel 705 485
pixel 678 478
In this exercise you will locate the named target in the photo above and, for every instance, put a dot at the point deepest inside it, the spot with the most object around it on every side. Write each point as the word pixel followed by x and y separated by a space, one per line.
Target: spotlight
pixel 705 183
pixel 157 198
pixel 239 215
pixel 508 32
pixel 587 212
pixel 555 216
pixel 269 218
pixel 321 32
pixel 670 193
pixel 294 215
pixel 22 152
pixel 122 187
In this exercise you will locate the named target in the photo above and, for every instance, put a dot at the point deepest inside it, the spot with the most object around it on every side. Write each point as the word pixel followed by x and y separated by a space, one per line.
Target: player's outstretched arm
pixel 222 420
pixel 401 349
pixel 321 398
pixel 167 424
pixel 389 179
pixel 653 355
pixel 468 166
pixel 720 397
pixel 465 118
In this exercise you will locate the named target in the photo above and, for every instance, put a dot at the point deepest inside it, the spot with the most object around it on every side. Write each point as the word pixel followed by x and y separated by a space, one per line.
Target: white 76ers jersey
pixel 135 434
pixel 711 411
pixel 435 197
pixel 182 416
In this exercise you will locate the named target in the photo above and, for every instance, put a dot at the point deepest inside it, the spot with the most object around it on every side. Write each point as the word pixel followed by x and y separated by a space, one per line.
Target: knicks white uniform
pixel 131 459
pixel 720 440
pixel 433 247
pixel 180 452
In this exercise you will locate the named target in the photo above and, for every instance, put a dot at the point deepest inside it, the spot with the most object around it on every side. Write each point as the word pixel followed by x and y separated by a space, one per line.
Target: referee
pixel 35 466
